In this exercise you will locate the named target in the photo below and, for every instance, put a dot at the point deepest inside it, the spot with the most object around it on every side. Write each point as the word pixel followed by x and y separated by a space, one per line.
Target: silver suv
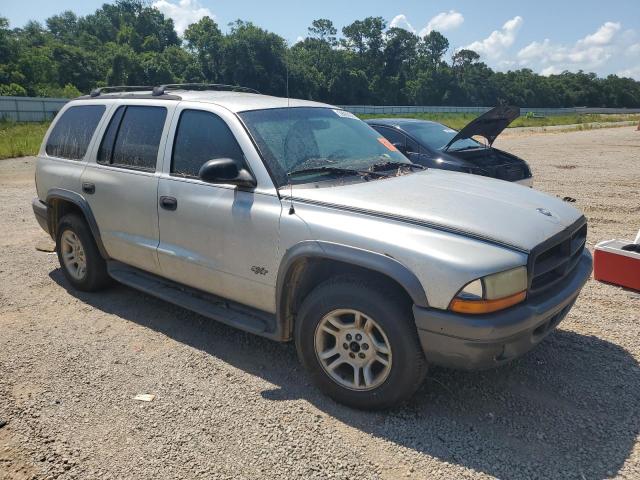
pixel 297 221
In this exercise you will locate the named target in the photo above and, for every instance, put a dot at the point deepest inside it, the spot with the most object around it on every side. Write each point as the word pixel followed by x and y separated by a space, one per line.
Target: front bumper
pixel 40 210
pixel 482 341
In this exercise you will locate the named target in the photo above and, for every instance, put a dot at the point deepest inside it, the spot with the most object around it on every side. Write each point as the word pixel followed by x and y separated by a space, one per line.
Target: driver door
pixel 218 238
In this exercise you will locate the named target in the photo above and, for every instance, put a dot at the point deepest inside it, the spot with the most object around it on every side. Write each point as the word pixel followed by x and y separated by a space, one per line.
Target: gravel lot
pixel 231 405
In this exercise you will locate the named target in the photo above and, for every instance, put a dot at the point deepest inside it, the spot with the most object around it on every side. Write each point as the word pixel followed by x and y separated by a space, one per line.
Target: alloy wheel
pixel 73 256
pixel 353 349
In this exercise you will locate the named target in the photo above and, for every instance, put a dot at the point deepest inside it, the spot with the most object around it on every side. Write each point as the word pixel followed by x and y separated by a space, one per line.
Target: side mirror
pixel 401 147
pixel 226 170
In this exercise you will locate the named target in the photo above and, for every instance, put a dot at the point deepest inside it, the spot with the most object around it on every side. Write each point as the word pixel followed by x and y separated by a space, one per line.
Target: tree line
pixel 132 43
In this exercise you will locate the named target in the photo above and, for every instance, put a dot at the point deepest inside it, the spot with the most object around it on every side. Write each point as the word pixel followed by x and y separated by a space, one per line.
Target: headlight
pixel 491 293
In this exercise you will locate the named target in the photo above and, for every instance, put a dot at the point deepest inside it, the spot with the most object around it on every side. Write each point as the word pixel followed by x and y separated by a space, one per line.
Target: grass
pixel 459 120
pixel 21 139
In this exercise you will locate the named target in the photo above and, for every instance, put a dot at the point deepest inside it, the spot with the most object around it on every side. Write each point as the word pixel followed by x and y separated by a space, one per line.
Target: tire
pixel 344 298
pixel 84 267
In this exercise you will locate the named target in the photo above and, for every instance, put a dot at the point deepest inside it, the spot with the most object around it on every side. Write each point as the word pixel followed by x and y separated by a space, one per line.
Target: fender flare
pixel 80 202
pixel 380 263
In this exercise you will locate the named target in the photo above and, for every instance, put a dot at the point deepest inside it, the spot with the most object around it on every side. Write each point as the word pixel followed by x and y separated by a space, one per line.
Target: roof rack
pixel 161 89
pixel 96 92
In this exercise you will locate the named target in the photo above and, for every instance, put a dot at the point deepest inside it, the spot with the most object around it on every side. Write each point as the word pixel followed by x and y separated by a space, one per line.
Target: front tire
pixel 78 254
pixel 359 343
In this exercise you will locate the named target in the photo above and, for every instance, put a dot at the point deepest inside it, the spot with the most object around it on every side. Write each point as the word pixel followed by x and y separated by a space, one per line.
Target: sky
pixel 547 36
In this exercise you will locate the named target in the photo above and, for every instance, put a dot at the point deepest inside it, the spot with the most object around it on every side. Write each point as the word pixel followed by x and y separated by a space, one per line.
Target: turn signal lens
pixel 461 305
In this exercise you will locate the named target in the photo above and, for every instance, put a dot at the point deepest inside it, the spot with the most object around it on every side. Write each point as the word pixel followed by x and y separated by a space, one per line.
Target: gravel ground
pixel 569 127
pixel 231 405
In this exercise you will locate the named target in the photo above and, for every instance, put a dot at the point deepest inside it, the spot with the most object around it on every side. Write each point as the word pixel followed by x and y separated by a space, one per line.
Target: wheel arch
pixel 309 263
pixel 60 202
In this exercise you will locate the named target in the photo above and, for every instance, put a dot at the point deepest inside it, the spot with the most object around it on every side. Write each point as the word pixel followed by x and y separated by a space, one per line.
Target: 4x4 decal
pixel 259 270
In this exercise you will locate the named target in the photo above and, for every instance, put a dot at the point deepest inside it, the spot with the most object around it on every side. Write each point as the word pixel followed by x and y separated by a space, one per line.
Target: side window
pixel 392 135
pixel 201 136
pixel 133 137
pixel 73 131
pixel 412 146
pixel 105 151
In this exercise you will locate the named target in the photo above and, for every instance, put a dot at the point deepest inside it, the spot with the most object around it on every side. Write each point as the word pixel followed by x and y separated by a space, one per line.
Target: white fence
pixel 399 110
pixel 35 109
pixel 29 109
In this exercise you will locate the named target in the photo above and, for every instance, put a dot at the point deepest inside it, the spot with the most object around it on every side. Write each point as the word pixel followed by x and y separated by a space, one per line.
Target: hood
pixel 489 125
pixel 482 207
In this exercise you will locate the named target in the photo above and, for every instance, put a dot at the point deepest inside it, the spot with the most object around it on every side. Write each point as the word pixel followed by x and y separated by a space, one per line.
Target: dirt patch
pixel 15 464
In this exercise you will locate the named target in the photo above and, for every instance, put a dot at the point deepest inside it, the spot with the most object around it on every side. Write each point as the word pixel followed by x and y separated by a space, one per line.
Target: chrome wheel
pixel 353 349
pixel 73 256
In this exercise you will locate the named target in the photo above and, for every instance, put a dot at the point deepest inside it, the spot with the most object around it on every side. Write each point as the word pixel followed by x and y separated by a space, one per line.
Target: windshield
pixel 437 136
pixel 302 138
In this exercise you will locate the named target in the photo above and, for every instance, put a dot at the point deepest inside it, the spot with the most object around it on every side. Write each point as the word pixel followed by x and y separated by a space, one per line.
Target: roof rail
pixel 161 89
pixel 96 92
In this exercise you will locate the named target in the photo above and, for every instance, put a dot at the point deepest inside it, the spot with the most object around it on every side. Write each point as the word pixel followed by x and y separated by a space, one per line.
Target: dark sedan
pixel 435 145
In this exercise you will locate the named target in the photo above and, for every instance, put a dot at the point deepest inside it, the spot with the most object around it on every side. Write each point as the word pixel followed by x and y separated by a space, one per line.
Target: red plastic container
pixel 612 264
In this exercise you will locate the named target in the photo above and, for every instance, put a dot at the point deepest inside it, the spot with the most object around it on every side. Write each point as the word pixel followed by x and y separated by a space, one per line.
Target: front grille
pixel 552 261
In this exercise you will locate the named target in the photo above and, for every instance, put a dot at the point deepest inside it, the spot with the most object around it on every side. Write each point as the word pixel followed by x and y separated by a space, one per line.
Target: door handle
pixel 169 203
pixel 89 188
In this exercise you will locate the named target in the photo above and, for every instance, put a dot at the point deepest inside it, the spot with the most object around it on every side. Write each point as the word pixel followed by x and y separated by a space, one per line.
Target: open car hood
pixel 488 125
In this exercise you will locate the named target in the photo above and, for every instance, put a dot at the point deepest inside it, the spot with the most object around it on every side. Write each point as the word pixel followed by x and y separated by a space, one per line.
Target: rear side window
pixel 73 131
pixel 133 137
pixel 201 136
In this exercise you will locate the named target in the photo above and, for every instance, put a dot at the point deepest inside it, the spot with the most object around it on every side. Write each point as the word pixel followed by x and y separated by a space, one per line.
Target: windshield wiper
pixel 336 170
pixel 376 167
pixel 470 147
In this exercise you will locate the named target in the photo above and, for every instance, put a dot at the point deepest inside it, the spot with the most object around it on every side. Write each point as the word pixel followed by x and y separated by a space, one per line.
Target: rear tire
pixel 79 257
pixel 359 342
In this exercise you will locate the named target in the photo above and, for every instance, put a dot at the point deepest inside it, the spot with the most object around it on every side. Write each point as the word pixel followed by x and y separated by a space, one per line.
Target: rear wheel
pixel 81 262
pixel 359 342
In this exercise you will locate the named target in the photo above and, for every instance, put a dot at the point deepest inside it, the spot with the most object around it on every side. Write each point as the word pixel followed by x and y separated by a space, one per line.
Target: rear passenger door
pixel 121 184
pixel 218 238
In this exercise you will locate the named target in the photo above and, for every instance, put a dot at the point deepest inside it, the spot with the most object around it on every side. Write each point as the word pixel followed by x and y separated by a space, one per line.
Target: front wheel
pixel 359 342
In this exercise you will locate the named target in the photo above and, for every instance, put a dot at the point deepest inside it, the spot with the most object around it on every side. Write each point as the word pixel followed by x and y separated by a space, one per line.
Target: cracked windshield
pixel 303 145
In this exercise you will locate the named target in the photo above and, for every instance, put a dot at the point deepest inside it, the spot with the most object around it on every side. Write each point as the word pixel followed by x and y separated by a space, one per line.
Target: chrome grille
pixel 556 258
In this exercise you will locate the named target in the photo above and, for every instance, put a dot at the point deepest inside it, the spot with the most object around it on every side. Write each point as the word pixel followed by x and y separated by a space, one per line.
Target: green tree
pixel 205 40
pixel 63 27
pixel 255 58
pixel 323 30
pixel 463 58
pixel 433 47
pixel 13 90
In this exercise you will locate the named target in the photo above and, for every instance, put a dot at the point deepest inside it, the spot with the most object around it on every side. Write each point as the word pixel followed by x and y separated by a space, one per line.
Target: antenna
pixel 291 209
pixel 286 64
pixel 287 84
